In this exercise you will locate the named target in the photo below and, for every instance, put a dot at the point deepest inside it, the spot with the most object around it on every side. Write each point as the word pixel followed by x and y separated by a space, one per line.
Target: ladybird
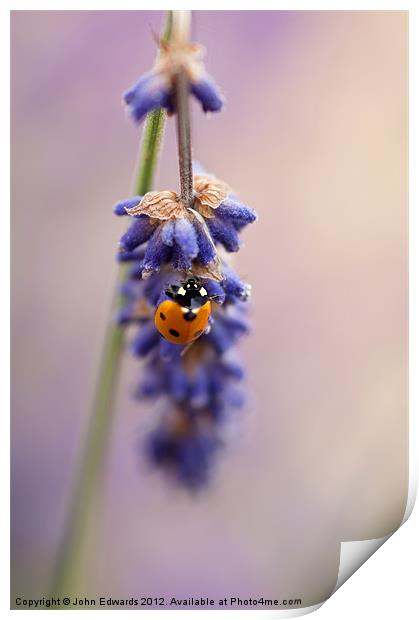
pixel 184 317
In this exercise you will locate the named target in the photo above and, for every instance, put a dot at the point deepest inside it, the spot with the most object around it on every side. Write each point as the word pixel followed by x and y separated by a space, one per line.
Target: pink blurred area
pixel 314 137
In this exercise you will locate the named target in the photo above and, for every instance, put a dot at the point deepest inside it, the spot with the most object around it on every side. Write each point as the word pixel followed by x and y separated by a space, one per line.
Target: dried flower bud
pixel 156 88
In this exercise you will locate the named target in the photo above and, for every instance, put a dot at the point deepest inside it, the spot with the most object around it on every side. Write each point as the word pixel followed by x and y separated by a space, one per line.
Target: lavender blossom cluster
pixel 166 242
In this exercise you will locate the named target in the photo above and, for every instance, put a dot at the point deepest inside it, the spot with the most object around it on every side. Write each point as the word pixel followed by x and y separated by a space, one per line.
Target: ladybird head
pixel 188 292
pixel 191 285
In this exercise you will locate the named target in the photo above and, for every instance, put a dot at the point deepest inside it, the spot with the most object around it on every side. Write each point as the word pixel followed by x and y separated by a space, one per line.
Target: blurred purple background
pixel 314 136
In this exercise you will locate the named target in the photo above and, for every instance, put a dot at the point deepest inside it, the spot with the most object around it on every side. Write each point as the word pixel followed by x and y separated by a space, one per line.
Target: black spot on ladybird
pixel 162 316
pixel 174 333
pixel 189 316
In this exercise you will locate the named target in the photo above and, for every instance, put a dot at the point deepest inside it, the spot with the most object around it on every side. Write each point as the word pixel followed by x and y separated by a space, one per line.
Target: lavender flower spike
pixel 155 89
pixel 182 297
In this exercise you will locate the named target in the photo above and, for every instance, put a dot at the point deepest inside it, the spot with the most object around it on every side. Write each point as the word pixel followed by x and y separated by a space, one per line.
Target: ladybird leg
pixel 209 325
pixel 172 291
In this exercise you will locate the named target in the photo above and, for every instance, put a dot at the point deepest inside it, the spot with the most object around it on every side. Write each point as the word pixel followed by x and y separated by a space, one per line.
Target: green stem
pixel 149 153
pixel 89 481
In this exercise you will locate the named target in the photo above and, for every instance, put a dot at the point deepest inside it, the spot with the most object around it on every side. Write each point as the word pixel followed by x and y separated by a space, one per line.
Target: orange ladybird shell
pixel 175 322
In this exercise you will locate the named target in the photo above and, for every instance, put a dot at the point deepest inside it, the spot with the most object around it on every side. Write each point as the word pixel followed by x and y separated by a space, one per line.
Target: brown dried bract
pixel 176 56
pixel 159 205
pixel 212 271
pixel 210 193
